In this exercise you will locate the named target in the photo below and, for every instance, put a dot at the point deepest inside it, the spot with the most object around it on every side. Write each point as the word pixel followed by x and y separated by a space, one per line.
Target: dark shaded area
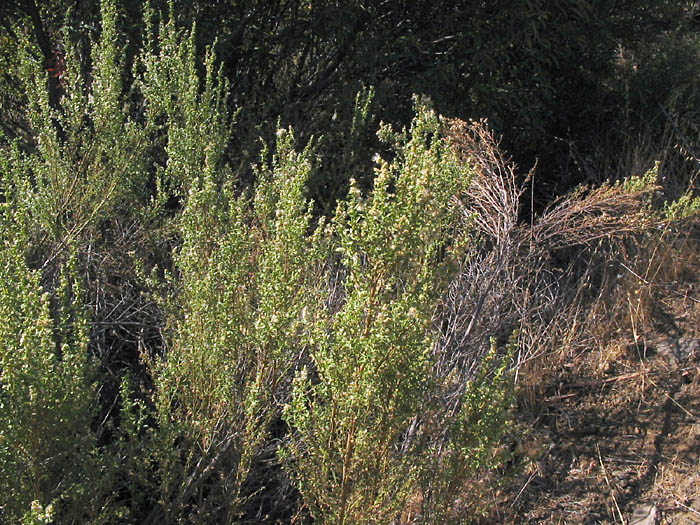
pixel 563 82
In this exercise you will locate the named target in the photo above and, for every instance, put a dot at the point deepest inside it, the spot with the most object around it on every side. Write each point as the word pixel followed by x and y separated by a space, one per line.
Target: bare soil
pixel 618 427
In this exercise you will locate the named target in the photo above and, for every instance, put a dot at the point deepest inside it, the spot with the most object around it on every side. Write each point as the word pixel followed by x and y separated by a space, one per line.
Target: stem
pixel 347 458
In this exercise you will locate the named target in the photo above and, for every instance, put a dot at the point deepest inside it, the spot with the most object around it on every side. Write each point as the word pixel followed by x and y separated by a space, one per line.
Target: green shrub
pixel 352 452
pixel 129 175
pixel 244 274
pixel 79 206
pixel 57 195
pixel 48 457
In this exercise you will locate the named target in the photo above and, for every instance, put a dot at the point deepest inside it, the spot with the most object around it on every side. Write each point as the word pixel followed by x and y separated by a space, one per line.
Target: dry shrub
pixel 549 280
pixel 649 262
pixel 591 264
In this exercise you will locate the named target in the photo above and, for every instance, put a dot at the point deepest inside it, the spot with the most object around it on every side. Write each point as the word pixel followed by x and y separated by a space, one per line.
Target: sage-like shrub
pixel 270 317
pixel 82 167
pixel 82 206
pixel 362 414
pixel 49 467
pixel 245 272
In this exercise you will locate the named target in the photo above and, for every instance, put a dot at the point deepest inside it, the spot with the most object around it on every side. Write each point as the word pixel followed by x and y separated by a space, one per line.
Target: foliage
pixel 78 174
pixel 544 73
pixel 184 313
pixel 48 457
pixel 245 272
pixel 86 195
pixel 470 441
pixel 350 452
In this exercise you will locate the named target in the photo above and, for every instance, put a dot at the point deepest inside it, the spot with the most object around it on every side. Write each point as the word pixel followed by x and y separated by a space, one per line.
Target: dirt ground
pixel 617 435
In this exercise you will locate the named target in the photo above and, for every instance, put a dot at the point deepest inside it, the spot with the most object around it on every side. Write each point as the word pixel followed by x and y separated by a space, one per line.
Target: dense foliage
pixel 229 294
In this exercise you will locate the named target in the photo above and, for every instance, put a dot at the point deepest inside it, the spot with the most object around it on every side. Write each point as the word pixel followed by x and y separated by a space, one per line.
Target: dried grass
pixel 542 279
pixel 585 270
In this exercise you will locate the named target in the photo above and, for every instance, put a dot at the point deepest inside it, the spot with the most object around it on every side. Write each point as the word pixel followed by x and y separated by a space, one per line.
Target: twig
pixel 645 372
pixel 532 476
pixel 686 142
pixel 607 480
pixel 550 399
pixel 687 507
pixel 631 375
pixel 648 283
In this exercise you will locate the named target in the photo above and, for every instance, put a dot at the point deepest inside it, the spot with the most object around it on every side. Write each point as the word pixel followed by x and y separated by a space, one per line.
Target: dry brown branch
pixel 510 279
pixel 584 216
pixel 553 280
pixel 494 194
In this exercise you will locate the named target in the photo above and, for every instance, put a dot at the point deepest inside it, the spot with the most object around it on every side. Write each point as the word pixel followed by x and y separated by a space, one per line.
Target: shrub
pixel 244 275
pixel 128 174
pixel 48 458
pixel 57 195
pixel 361 415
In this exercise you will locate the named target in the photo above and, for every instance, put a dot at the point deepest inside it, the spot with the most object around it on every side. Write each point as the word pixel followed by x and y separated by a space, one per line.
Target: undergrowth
pixel 166 326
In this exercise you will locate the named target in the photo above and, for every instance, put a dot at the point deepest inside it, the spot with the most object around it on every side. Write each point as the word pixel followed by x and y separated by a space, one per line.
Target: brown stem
pixel 347 458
